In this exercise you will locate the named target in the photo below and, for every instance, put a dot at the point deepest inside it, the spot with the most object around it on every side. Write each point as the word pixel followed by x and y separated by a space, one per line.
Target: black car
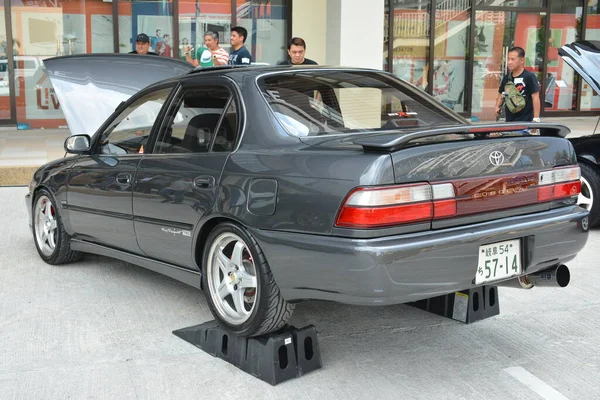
pixel 266 186
pixel 584 57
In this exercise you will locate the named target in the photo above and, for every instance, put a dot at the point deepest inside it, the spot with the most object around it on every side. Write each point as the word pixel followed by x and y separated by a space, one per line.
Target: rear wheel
pixel 589 198
pixel 51 240
pixel 238 283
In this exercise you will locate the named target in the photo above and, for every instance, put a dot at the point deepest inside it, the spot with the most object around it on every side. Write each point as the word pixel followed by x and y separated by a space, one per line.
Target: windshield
pixel 310 103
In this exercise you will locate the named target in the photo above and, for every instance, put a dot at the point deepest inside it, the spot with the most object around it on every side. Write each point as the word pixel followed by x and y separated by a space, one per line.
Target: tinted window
pixel 226 135
pixel 129 132
pixel 310 103
pixel 205 117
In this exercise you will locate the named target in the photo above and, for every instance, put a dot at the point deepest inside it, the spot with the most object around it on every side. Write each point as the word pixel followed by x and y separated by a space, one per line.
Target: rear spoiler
pixel 392 142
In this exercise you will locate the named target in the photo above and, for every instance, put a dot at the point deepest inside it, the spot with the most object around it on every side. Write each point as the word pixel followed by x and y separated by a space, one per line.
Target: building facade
pixel 453 49
pixel 33 30
pixel 456 49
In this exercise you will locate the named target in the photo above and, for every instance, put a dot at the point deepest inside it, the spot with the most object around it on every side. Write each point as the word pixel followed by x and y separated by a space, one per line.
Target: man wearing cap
pixel 142 45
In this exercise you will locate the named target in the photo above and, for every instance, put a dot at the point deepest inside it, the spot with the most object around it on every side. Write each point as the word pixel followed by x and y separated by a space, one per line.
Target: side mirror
pixel 77 144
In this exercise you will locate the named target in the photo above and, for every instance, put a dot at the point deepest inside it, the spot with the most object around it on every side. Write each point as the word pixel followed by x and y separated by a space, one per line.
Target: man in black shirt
pixel 526 83
pixel 142 45
pixel 296 51
pixel 239 54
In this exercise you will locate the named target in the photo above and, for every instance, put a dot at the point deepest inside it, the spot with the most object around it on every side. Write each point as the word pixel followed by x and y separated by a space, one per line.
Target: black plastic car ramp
pixel 467 305
pixel 273 358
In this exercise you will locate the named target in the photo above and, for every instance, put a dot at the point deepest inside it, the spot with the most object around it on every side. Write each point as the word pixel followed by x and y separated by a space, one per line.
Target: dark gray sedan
pixel 266 186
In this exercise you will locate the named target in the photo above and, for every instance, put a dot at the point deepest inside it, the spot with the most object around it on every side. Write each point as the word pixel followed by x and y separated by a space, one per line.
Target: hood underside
pixel 584 57
pixel 89 87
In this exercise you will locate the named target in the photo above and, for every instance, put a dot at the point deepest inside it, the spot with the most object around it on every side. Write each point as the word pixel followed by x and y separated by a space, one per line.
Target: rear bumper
pixel 406 268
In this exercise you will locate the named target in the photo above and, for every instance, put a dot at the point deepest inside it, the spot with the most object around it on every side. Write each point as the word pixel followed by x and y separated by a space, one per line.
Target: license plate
pixel 498 261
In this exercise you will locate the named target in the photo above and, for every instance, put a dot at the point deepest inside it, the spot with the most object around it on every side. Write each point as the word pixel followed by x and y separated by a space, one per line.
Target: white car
pixel 29 66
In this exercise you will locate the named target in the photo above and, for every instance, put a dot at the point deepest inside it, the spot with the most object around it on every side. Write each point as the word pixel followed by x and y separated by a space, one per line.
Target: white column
pixel 309 21
pixel 355 33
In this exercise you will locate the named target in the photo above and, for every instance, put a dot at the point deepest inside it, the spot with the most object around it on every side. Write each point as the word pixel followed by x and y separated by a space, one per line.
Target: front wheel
pixel 590 192
pixel 51 240
pixel 238 283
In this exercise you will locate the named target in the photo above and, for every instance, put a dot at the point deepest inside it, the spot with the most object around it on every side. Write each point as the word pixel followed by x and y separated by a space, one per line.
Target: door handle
pixel 123 179
pixel 204 182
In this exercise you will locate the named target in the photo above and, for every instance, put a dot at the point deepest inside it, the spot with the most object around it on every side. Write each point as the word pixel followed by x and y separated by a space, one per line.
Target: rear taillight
pixel 374 207
pixel 394 205
pixel 559 184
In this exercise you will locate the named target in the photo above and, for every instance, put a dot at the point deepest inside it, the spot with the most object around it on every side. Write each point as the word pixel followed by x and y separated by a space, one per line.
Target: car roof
pixel 238 72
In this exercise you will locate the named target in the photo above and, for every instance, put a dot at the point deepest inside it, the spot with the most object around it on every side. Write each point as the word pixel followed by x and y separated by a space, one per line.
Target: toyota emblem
pixel 497 158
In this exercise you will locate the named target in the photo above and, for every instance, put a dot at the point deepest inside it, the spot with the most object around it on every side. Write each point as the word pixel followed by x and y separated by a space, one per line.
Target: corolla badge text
pixel 174 232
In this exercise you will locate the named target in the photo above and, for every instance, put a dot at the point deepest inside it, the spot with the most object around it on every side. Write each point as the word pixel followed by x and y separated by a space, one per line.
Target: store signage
pixel 46 98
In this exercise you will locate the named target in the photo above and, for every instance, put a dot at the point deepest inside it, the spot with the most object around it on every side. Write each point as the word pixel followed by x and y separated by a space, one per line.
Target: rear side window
pixel 332 102
pixel 205 120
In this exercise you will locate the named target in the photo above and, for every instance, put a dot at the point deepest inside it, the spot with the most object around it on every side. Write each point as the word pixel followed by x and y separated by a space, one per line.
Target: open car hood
pixel 89 87
pixel 584 57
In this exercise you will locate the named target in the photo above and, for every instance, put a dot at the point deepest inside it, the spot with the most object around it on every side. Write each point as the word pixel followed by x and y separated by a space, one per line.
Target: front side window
pixel 309 104
pixel 205 120
pixel 129 132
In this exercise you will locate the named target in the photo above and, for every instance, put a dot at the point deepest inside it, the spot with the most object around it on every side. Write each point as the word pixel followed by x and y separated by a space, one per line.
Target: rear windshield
pixel 310 103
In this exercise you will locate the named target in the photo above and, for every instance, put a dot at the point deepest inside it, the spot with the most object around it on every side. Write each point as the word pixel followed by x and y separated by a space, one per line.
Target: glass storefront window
pixel 495 33
pixel 590 100
pixel 386 36
pixel 67 27
pixel 266 23
pixel 4 78
pixel 39 32
pixel 452 23
pixel 154 18
pixel 197 17
pixel 411 42
pixel 561 79
pixel 512 3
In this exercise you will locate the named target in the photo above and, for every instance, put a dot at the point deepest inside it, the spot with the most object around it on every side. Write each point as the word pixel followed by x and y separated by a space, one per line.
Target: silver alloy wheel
pixel 45 225
pixel 586 196
pixel 231 277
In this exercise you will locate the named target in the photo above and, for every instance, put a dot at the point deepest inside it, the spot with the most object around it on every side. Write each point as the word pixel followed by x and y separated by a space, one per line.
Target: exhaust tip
pixel 563 276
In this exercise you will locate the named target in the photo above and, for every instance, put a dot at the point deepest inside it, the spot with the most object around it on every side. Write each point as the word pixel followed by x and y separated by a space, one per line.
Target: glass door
pixel 5 75
pixel 495 33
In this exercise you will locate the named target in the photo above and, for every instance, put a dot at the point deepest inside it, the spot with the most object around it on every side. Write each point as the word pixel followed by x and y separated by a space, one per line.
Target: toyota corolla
pixel 266 186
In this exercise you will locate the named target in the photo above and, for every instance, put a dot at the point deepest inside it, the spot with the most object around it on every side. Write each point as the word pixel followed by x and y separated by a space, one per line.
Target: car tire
pixel 238 284
pixel 590 192
pixel 51 240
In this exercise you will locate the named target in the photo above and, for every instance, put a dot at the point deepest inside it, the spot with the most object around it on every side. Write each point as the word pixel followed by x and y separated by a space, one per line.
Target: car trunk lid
pixel 584 57
pixel 452 176
pixel 90 87
pixel 487 173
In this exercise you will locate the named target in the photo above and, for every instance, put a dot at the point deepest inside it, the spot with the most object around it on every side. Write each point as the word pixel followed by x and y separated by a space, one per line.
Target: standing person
pixel 239 54
pixel 185 49
pixel 142 45
pixel 296 50
pixel 163 48
pixel 156 39
pixel 521 90
pixel 210 54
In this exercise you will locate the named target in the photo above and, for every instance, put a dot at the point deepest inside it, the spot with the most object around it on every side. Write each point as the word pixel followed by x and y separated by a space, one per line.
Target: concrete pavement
pixel 101 329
